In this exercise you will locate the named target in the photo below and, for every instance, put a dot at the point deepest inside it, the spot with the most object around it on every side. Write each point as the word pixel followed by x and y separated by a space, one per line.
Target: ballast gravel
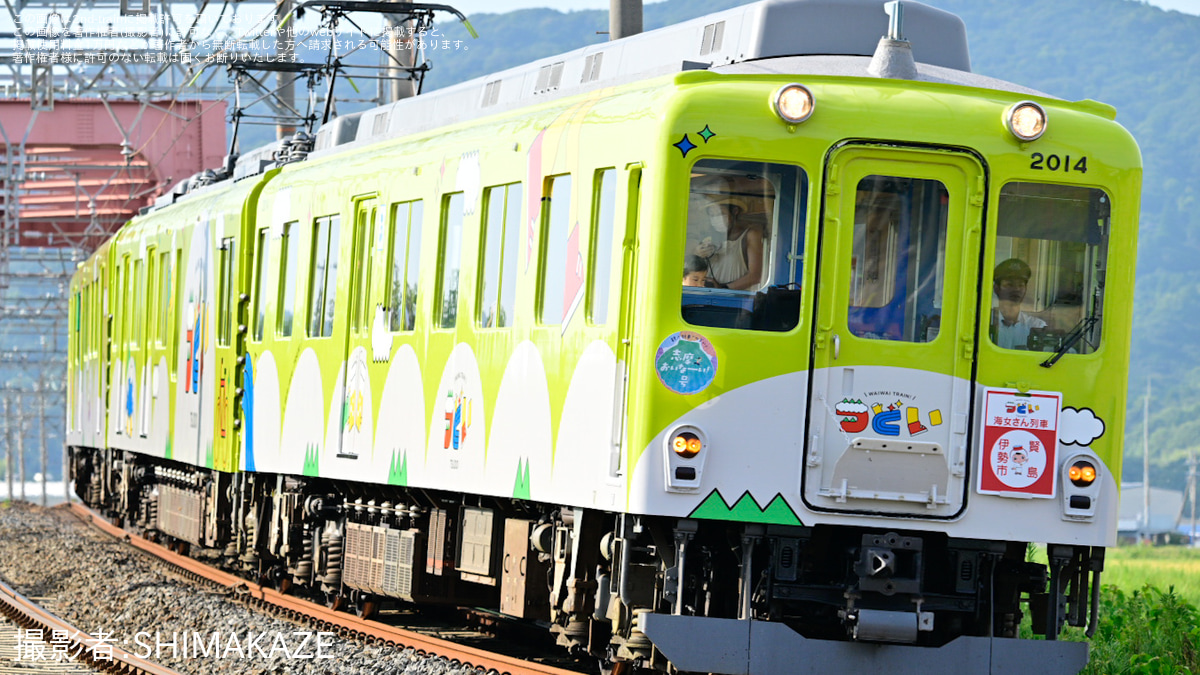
pixel 100 586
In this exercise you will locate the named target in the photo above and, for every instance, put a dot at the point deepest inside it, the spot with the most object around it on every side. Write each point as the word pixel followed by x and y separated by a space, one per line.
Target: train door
pixel 894 335
pixel 627 293
pixel 230 335
pixel 356 434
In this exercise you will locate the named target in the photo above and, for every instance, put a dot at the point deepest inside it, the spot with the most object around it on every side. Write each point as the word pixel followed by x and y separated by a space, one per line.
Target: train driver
pixel 737 262
pixel 1010 324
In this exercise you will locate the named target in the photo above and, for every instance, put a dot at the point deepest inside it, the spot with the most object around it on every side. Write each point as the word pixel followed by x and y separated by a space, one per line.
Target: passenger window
pixel 501 234
pixel 604 206
pixel 322 280
pixel 451 259
pixel 225 293
pixel 262 263
pixel 1051 255
pixel 742 265
pixel 289 252
pixel 164 295
pixel 560 282
pixel 897 267
pixel 405 254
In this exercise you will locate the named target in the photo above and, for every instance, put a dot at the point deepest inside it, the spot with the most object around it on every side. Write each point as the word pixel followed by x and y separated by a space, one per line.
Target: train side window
pixel 164 296
pixel 262 264
pixel 498 273
pixel 289 253
pixel 451 259
pixel 741 264
pixel 360 264
pixel 404 272
pixel 123 299
pixel 1051 261
pixel 176 317
pixel 322 280
pixel 135 298
pixel 152 308
pixel 558 278
pixel 225 293
pixel 897 267
pixel 604 207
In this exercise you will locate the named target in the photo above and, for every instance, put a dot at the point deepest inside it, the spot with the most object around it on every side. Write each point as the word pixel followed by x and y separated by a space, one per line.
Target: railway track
pixel 323 618
pixel 64 648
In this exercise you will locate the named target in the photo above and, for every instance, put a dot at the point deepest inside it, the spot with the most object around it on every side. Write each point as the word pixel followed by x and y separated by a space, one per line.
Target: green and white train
pixel 758 343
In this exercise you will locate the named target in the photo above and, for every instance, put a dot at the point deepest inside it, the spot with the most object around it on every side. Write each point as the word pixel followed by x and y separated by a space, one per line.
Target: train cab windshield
pixel 1048 283
pixel 741 262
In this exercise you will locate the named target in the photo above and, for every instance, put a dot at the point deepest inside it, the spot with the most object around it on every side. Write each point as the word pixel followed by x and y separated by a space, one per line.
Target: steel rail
pixel 344 624
pixel 29 615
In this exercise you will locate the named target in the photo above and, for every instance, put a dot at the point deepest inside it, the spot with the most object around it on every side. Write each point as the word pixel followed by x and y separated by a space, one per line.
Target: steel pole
pixel 8 449
pixel 285 50
pixel 624 18
pixel 1146 465
pixel 401 54
pixel 42 437
pixel 20 448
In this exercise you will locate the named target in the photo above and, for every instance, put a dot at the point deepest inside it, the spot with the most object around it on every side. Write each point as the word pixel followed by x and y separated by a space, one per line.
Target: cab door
pixel 895 332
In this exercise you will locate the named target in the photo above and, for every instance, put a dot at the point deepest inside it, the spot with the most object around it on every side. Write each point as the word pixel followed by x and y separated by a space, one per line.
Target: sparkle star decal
pixel 707 133
pixel 685 146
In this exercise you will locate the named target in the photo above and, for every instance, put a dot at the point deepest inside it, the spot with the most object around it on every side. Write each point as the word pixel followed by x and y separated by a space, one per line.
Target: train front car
pixel 884 350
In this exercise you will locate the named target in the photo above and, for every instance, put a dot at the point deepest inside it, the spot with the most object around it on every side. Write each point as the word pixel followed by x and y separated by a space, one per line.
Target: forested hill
pixel 1141 59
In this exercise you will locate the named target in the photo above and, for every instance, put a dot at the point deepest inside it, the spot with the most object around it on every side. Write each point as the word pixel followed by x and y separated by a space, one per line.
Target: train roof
pixel 799 37
pixel 759 31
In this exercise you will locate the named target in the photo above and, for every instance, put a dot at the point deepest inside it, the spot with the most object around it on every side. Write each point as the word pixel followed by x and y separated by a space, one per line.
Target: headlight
pixel 686 444
pixel 1082 473
pixel 793 103
pixel 1026 120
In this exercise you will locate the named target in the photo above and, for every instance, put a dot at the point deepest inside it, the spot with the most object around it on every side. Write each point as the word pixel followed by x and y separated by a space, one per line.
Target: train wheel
pixel 335 601
pixel 366 606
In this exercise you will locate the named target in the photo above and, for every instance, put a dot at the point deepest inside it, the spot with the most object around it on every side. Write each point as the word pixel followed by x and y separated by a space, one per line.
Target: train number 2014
pixel 1042 162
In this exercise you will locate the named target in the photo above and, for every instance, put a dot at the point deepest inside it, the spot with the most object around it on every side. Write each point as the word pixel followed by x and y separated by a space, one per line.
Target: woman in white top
pixel 737 262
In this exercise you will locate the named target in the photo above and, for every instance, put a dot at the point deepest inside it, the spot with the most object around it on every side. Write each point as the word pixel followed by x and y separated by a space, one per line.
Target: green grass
pixel 1162 567
pixel 1144 632
pixel 1148 620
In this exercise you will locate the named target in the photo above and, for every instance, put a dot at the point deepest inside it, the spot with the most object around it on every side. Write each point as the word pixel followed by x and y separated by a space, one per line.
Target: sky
pixel 470 7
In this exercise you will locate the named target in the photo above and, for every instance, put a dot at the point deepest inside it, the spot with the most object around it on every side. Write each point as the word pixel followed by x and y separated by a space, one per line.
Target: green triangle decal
pixel 398 471
pixel 521 486
pixel 310 461
pixel 746 509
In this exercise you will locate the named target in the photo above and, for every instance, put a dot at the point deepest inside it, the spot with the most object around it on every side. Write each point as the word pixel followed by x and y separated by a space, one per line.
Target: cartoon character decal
pixel 196 312
pixel 356 408
pixel 458 415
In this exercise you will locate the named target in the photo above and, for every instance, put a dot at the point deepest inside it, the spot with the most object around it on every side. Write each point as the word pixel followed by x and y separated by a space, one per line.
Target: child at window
pixel 695 271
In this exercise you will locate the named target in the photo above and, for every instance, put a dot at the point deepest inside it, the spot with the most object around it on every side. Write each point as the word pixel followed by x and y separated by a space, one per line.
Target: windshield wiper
pixel 1085 324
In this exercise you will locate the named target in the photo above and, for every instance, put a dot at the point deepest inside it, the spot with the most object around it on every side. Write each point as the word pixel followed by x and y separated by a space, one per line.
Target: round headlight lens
pixel 1082 473
pixel 794 103
pixel 687 445
pixel 1026 120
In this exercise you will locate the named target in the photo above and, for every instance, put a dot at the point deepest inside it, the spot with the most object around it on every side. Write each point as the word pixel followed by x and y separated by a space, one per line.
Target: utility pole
pixel 42 437
pixel 624 18
pixel 401 55
pixel 20 448
pixel 1146 465
pixel 1192 493
pixel 8 449
pixel 285 51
